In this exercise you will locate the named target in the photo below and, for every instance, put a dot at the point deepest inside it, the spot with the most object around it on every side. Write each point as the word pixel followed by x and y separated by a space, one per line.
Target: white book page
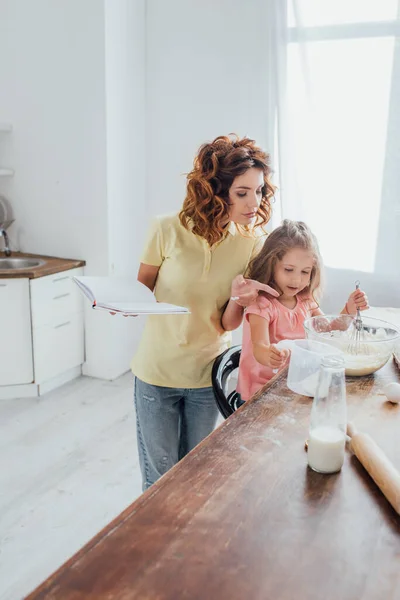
pixel 123 295
pixel 143 308
pixel 110 290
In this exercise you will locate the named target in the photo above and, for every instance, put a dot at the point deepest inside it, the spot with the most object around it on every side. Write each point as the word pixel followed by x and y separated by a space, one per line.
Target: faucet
pixel 3 233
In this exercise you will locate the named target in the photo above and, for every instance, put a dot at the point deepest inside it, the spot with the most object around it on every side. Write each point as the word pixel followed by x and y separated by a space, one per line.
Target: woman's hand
pixel 245 291
pixel 357 299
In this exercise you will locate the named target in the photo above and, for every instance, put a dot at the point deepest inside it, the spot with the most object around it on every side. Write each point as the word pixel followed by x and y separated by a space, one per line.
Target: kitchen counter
pixel 52 265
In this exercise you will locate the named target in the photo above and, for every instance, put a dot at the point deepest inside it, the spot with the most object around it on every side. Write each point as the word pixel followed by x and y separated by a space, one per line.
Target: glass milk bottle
pixel 327 435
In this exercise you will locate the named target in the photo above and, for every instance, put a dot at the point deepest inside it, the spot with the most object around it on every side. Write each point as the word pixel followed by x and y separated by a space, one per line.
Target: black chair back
pixel 222 368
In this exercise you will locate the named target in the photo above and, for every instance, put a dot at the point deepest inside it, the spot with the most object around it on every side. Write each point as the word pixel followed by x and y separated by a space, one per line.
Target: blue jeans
pixel 170 423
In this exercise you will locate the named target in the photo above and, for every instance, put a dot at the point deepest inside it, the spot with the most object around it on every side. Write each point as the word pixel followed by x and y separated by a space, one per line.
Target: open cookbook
pixel 125 296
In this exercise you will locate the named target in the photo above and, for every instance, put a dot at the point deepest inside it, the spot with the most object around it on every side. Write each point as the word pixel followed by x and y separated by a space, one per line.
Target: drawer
pixel 58 348
pixel 54 298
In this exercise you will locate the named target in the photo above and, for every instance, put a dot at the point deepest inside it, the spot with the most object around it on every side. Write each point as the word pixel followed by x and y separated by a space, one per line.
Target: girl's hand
pixel 113 314
pixel 357 299
pixel 245 291
pixel 276 358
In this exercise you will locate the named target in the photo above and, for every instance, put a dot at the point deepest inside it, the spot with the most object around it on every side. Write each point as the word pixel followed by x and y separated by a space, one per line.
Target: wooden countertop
pixel 242 517
pixel 51 266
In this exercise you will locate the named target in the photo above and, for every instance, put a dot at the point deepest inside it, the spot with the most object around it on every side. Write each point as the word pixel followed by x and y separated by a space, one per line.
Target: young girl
pixel 289 262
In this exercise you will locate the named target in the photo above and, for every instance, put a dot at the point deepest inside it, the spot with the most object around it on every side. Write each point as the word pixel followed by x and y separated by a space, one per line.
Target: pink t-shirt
pixel 284 324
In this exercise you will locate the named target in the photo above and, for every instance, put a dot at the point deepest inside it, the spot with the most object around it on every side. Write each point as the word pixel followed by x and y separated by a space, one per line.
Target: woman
pixel 197 259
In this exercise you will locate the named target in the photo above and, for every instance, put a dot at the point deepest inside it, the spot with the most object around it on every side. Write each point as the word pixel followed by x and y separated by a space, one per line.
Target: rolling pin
pixel 377 465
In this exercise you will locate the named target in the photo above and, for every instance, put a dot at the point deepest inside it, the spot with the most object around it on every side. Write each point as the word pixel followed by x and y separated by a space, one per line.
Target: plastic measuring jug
pixel 305 361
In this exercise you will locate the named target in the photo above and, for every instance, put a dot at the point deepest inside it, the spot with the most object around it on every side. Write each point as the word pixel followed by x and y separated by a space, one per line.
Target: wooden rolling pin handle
pixel 377 464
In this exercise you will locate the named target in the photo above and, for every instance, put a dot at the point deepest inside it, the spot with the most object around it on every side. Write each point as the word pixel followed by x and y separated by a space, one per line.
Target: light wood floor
pixel 68 465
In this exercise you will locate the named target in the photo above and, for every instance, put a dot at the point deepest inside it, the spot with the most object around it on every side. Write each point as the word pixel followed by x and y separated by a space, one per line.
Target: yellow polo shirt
pixel 178 350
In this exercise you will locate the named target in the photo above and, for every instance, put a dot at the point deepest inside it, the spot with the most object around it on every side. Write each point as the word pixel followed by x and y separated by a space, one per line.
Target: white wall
pixel 72 85
pixel 126 150
pixel 111 342
pixel 206 77
pixel 52 91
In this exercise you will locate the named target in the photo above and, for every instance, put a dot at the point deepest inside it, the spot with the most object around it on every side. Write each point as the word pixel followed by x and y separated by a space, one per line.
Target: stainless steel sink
pixel 20 263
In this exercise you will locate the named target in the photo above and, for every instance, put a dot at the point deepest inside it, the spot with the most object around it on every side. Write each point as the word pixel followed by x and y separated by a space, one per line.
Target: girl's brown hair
pixel 206 207
pixel 289 235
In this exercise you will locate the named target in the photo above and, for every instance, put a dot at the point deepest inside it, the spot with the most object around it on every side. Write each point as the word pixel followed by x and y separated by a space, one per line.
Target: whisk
pixel 358 343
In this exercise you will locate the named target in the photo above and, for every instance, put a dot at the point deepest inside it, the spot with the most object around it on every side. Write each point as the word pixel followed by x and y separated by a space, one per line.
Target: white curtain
pixel 335 74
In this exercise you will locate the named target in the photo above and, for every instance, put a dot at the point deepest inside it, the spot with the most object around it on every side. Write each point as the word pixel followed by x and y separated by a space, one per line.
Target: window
pixel 340 105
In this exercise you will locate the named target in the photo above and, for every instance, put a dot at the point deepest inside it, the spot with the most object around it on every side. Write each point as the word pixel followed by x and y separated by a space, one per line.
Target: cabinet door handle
pixel 60 278
pixel 61 296
pixel 62 324
pixel 3 285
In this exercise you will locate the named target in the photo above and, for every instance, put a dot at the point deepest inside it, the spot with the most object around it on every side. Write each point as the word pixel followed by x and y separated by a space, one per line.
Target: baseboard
pixel 51 384
pixel 106 376
pixel 11 392
pixel 33 390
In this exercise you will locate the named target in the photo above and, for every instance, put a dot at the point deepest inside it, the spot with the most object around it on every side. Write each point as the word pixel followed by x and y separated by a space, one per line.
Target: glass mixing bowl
pixel 362 356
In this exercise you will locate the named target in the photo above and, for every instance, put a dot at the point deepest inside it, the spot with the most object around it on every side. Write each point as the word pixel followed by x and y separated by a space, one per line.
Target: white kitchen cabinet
pixel 42 333
pixel 16 361
pixel 58 348
pixel 55 297
pixel 57 324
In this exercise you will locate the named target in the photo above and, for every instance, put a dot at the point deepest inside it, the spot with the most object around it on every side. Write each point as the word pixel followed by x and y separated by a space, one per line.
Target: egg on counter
pixel 392 392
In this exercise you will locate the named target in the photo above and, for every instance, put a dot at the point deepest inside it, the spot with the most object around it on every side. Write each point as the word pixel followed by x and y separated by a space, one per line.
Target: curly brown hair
pixel 206 207
pixel 289 235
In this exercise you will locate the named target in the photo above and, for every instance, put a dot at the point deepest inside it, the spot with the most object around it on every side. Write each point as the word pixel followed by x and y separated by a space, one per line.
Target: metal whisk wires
pixel 358 343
